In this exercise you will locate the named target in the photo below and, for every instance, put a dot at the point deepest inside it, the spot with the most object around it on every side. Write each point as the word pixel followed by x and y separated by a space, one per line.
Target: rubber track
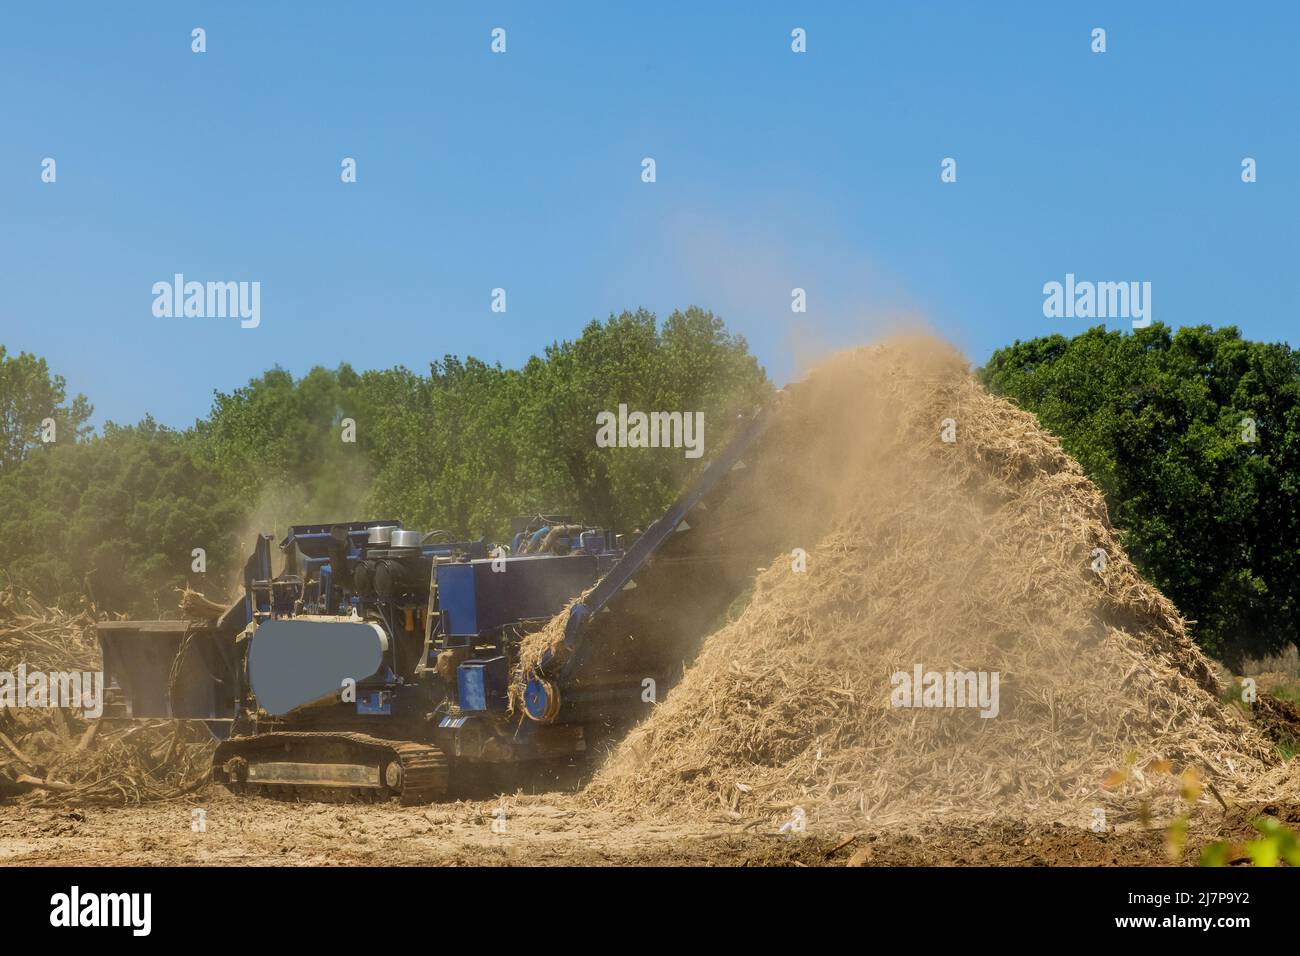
pixel 424 766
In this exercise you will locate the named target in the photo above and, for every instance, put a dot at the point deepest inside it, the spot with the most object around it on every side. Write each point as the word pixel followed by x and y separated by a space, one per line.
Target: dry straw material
pixel 989 552
pixel 58 754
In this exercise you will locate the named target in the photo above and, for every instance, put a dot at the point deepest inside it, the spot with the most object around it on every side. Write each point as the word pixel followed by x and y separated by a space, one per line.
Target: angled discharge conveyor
pixel 560 665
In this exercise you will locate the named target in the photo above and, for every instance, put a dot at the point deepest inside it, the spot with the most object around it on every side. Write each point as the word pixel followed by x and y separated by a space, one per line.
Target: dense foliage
pixel 1194 437
pixel 462 446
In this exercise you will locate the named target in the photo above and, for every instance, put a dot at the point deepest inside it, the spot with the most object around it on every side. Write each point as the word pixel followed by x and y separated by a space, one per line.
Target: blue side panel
pixel 481 685
pixel 478 598
pixel 456 599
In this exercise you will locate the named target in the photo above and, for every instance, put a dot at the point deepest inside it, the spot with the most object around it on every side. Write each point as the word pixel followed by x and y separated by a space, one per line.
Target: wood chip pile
pixel 990 552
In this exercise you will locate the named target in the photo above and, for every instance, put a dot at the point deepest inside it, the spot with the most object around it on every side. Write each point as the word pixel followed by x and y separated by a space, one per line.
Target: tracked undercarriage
pixel 332 766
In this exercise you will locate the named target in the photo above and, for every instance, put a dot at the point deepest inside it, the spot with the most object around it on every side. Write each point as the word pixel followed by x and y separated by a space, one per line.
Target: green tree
pixel 119 515
pixel 691 364
pixel 444 454
pixel 1194 437
pixel 461 448
pixel 472 444
pixel 29 395
pixel 279 445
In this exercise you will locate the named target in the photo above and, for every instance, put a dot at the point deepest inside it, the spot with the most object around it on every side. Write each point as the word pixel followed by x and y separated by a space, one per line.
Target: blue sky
pixel 522 171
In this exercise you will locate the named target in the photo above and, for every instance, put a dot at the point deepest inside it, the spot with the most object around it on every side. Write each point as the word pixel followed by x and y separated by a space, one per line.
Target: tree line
pixel 461 447
pixel 1193 436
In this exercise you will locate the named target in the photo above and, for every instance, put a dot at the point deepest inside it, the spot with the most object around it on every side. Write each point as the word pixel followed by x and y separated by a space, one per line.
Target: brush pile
pixel 63 754
pixel 950 534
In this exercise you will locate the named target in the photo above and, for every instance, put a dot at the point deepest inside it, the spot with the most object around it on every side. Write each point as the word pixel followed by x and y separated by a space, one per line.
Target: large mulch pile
pixel 979 554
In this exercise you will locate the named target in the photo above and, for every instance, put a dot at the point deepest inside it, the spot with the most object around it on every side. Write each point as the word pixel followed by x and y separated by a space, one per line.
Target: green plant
pixel 1277 844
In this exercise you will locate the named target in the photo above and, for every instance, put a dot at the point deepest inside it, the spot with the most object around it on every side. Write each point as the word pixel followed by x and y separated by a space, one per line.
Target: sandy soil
pixel 543 830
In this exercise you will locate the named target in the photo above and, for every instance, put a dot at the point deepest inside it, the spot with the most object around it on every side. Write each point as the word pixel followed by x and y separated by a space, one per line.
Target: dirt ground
pixel 546 830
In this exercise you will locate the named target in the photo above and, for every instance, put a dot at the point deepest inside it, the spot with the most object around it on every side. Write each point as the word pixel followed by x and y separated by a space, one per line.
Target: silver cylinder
pixel 380 534
pixel 403 538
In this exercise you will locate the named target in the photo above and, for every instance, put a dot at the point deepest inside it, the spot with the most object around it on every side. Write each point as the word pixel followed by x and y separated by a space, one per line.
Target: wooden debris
pixel 60 755
pixel 196 607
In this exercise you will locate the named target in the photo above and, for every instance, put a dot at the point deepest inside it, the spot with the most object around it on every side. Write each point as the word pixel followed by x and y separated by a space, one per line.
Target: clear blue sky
pixel 522 171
